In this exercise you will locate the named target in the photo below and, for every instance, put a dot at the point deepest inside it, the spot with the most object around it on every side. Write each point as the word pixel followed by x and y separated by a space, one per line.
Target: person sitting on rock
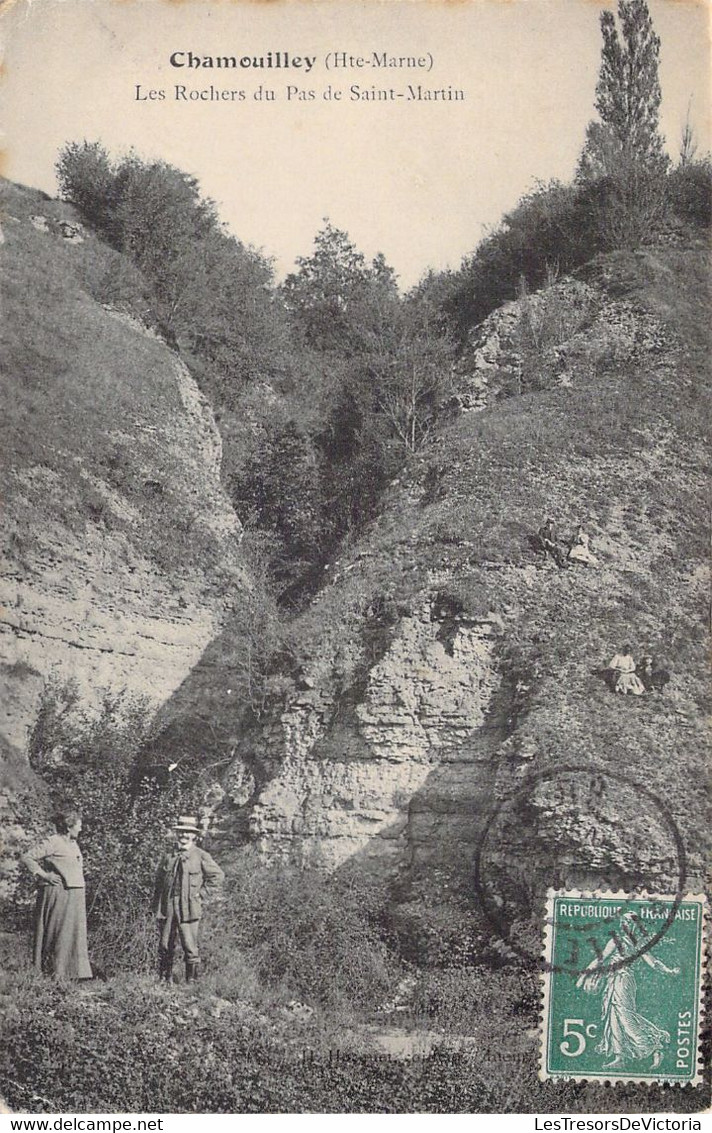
pixel 653 677
pixel 623 673
pixel 547 542
pixel 580 551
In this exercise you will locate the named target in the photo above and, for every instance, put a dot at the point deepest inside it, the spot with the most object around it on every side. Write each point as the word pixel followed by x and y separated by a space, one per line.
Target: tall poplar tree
pixel 626 137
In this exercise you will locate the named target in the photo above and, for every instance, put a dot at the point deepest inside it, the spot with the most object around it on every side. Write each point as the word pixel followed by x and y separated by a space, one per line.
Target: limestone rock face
pixel 558 336
pixel 87 617
pixel 348 774
pixel 121 545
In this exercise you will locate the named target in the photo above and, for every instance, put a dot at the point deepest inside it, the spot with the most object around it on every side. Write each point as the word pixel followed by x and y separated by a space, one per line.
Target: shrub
pixel 550 229
pixel 478 1001
pixel 626 210
pixel 86 178
pixel 111 279
pixel 548 320
pixel 311 937
pixel 137 1048
pixel 94 762
pixel 689 189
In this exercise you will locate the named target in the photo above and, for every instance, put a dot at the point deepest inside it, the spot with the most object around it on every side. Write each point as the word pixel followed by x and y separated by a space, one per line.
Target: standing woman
pixel 60 941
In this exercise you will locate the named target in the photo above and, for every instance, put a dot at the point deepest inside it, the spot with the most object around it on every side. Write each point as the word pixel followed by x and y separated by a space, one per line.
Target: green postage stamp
pixel 622 987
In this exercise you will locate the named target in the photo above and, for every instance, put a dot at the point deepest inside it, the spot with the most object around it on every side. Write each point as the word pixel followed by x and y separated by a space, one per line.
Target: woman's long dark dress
pixel 60 938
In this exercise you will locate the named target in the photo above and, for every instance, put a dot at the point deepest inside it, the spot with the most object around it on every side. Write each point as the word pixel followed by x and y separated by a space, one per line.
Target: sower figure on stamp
pixel 627 1035
pixel 185 876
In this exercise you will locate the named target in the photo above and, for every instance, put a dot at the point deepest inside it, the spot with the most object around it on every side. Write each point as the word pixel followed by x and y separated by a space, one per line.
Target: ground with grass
pixel 466 1043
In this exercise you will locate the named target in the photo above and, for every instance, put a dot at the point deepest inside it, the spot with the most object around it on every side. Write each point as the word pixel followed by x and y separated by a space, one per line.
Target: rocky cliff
pixel 451 718
pixel 121 549
pixel 440 712
pixel 351 767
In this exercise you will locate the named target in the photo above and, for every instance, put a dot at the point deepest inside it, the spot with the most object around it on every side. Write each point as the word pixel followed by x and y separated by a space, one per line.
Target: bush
pixel 689 189
pixel 626 210
pixel 86 178
pixel 551 229
pixel 478 1001
pixel 309 937
pixel 94 763
pixel 112 280
pixel 279 490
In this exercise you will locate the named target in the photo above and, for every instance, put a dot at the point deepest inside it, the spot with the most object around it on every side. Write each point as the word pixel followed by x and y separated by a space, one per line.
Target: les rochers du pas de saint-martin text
pixel 301 64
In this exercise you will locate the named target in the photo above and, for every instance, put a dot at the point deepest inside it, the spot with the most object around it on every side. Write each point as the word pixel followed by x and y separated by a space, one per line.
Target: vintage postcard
pixel 354 595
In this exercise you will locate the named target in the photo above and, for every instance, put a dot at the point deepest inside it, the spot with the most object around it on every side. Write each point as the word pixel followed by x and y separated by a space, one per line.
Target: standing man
pixel 184 877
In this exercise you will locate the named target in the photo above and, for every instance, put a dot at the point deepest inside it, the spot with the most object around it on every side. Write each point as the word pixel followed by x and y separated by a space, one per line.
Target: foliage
pixel 113 280
pixel 257 628
pixel 336 337
pixel 550 230
pixel 623 154
pixel 628 209
pixel 318 939
pixel 141 1048
pixel 689 190
pixel 460 1000
pixel 94 762
pixel 621 197
pixel 86 178
pixel 210 293
pixel 306 470
pixel 407 380
pixel 279 491
pixel 336 297
pixel 627 98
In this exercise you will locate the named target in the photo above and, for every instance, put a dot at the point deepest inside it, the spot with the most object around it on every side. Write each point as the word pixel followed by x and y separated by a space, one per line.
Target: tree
pixel 410 375
pixel 627 98
pixel 86 178
pixel 336 295
pixel 623 164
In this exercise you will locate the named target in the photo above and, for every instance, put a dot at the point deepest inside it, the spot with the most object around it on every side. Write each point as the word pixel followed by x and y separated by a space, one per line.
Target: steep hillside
pixel 449 670
pixel 439 712
pixel 120 554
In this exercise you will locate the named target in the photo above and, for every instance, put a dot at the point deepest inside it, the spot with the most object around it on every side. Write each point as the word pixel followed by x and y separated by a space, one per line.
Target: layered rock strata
pixel 348 773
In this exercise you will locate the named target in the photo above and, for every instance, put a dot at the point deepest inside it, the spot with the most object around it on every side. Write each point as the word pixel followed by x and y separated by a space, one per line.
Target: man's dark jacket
pixel 199 877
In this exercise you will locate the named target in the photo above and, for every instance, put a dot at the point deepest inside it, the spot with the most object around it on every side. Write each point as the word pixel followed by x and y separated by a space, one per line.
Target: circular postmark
pixel 594 792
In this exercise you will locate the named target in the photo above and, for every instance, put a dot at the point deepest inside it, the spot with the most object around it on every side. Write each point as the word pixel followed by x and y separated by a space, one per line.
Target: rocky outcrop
pixel 121 546
pixel 443 737
pixel 347 770
pixel 97 612
pixel 562 334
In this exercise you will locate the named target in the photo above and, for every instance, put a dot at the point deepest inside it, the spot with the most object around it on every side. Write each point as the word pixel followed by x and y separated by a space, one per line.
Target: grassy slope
pixel 88 439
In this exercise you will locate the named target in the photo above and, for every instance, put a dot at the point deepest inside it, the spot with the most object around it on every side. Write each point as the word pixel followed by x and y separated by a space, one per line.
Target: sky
pixel 420 180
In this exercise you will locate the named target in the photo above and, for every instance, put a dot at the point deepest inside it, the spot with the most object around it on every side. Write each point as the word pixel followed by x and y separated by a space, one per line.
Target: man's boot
pixel 165 966
pixel 192 971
